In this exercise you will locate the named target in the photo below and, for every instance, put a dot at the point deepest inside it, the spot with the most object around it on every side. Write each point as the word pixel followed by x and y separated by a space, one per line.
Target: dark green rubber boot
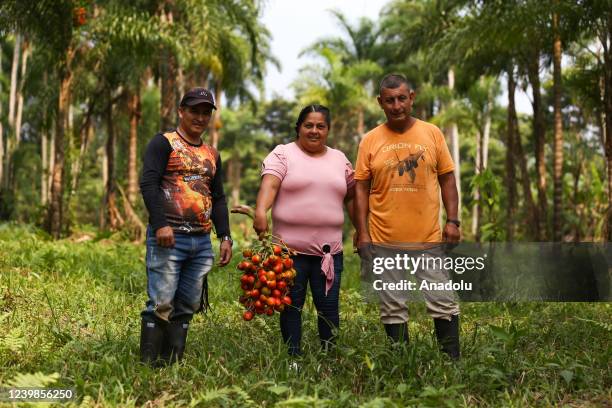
pixel 175 340
pixel 397 332
pixel 447 333
pixel 151 338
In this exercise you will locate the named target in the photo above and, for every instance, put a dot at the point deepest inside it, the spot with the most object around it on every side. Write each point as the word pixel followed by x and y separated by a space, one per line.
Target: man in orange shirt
pixel 402 168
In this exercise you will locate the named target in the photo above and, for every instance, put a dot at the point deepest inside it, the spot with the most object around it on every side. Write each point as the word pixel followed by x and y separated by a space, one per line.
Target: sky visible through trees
pixel 79 102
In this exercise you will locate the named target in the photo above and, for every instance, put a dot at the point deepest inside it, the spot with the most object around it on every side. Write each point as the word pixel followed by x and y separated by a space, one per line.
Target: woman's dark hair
pixel 309 109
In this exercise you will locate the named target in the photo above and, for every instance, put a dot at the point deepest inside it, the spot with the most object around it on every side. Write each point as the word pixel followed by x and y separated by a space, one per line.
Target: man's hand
pixel 260 223
pixel 363 238
pixel 225 253
pixel 450 197
pixel 364 246
pixel 165 237
pixel 451 233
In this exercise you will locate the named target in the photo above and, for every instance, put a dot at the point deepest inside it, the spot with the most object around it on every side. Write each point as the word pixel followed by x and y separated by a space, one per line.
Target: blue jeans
pixel 175 276
pixel 308 269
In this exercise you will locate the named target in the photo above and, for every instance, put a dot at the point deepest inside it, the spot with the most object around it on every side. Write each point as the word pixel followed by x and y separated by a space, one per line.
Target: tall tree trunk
pixel 51 162
pixel 84 132
pixel 24 64
pixel 482 155
pixel 476 210
pixel 360 123
pixel 76 163
pixel 111 218
pixel 104 176
pixel 12 110
pixel 486 131
pixel 605 37
pixel 134 113
pixel 134 223
pixel 558 138
pixel 533 72
pixel 13 88
pixel 234 176
pixel 532 209
pixel 180 81
pixel 71 138
pixel 168 92
pixel 169 73
pixel 1 153
pixel 510 149
pixel 483 151
pixel 44 155
pixel 55 215
pixel 1 132
pixel 575 201
pixel 44 174
pixel 454 139
pixel 215 123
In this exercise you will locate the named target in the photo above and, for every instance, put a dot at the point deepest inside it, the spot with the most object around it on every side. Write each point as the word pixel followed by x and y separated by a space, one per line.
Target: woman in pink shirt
pixel 307 183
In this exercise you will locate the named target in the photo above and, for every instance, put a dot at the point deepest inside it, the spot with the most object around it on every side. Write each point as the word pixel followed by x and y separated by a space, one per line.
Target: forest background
pixel 83 93
pixel 85 84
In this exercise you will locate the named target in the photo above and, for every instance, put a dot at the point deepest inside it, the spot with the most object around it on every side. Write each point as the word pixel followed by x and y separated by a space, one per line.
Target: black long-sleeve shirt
pixel 182 186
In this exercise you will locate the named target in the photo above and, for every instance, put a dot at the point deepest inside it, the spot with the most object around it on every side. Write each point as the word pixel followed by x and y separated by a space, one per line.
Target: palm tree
pixel 597 24
pixel 126 37
pixel 352 64
pixel 62 43
pixel 1 130
pixel 412 26
pixel 481 42
pixel 231 53
pixel 558 129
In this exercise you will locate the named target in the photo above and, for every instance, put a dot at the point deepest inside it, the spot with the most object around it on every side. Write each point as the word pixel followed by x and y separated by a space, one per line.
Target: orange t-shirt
pixel 404 191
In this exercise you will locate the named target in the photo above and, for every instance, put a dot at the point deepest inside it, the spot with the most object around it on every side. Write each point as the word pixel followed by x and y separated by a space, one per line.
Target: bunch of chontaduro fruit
pixel 267 274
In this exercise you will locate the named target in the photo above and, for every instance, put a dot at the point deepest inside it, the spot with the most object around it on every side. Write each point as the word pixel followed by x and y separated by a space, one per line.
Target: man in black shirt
pixel 182 188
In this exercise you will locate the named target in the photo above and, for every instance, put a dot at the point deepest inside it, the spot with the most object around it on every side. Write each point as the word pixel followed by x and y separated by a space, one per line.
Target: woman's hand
pixel 260 223
pixel 265 198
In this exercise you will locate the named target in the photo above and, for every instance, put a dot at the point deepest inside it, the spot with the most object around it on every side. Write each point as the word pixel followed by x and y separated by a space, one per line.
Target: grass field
pixel 69 313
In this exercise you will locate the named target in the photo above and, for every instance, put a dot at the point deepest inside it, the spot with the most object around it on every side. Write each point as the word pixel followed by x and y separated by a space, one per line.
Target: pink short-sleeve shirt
pixel 308 210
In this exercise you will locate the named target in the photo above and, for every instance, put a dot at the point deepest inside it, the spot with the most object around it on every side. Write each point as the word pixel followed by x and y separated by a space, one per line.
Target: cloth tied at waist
pixel 327 264
pixel 326 251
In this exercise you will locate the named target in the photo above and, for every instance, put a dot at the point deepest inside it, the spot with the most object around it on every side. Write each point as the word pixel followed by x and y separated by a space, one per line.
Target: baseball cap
pixel 196 96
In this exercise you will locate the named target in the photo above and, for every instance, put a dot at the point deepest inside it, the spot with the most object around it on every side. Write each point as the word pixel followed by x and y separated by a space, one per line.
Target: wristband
pixel 456 222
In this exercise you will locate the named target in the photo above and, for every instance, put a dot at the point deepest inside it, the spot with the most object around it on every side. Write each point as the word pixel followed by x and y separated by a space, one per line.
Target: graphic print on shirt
pixel 409 164
pixel 406 171
pixel 186 185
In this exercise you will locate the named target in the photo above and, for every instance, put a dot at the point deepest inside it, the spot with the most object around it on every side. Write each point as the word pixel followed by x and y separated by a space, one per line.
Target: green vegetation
pixel 85 84
pixel 72 307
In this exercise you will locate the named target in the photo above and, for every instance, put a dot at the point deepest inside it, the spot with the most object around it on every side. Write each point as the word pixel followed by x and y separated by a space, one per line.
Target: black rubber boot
pixel 151 338
pixel 397 332
pixel 447 333
pixel 175 340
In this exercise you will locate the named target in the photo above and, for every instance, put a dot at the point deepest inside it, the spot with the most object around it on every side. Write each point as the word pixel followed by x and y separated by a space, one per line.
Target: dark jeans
pixel 308 269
